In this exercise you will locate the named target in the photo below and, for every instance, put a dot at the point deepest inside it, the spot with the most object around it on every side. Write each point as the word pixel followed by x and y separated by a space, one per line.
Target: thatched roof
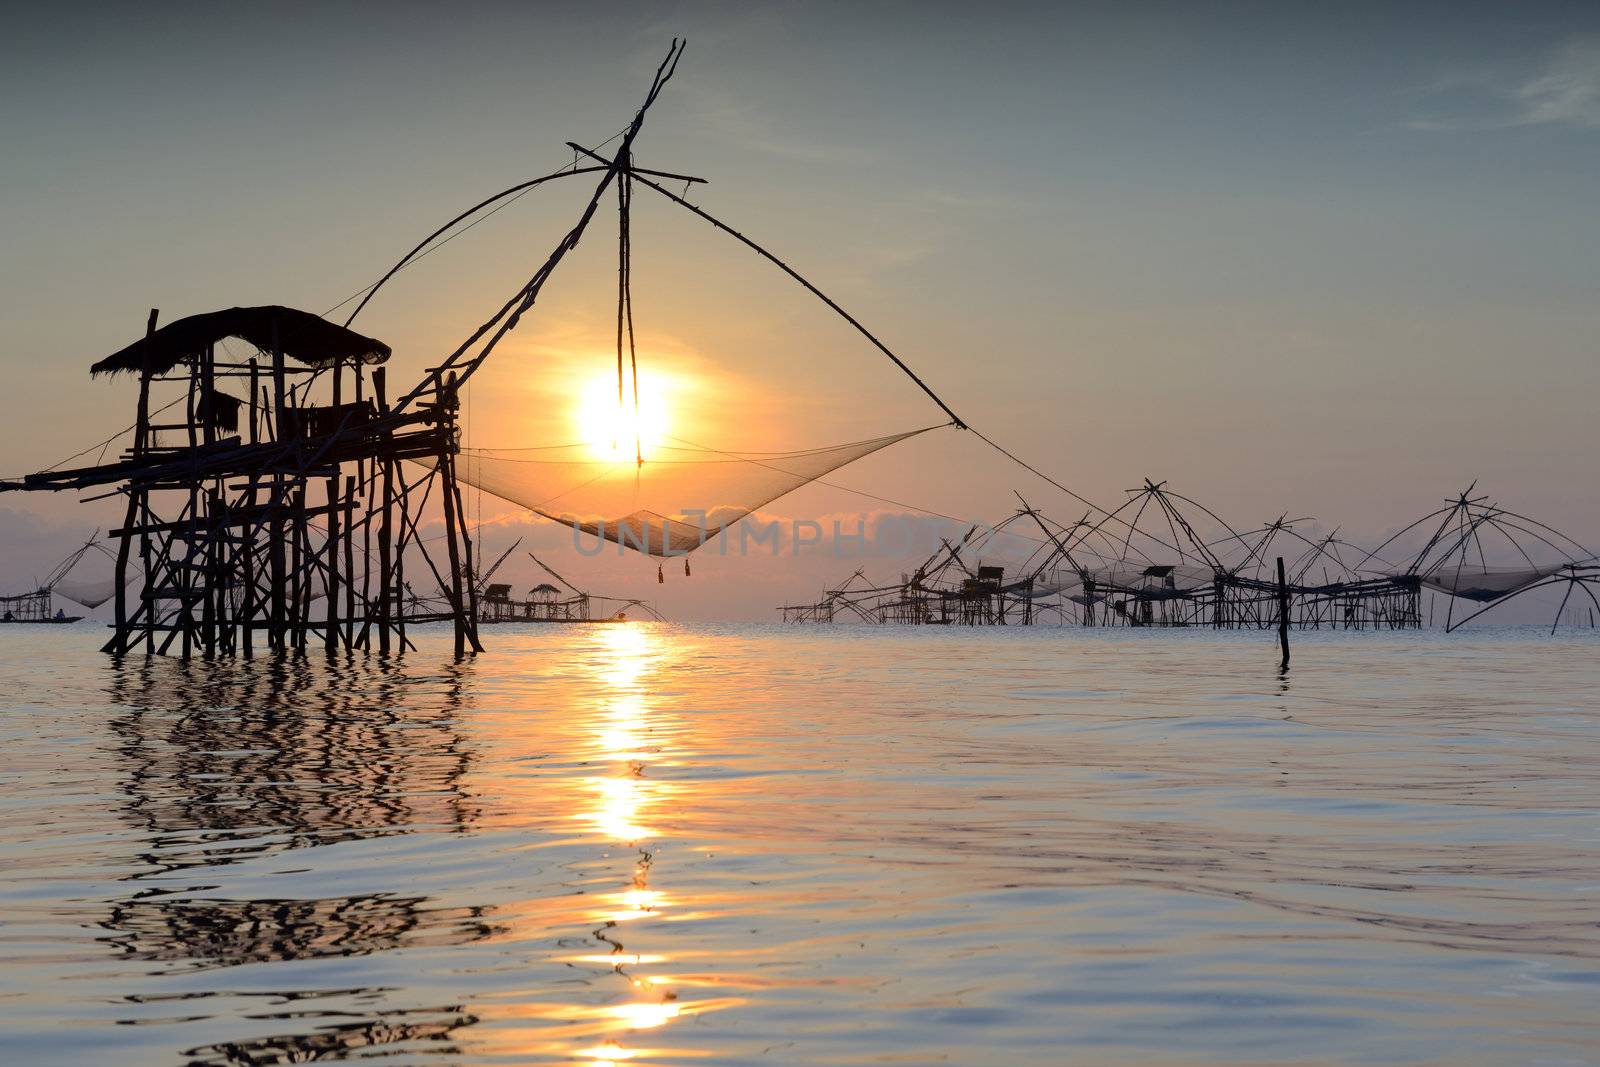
pixel 302 336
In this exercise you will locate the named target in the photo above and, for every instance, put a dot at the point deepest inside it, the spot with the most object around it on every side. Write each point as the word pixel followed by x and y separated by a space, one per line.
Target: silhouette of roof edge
pixel 302 336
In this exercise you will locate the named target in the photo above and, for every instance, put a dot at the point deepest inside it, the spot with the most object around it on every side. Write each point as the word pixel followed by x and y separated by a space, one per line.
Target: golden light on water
pixel 622 798
pixel 616 959
pixel 619 803
pixel 644 1015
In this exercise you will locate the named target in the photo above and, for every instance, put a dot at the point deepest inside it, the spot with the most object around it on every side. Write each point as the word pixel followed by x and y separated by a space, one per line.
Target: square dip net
pixel 667 505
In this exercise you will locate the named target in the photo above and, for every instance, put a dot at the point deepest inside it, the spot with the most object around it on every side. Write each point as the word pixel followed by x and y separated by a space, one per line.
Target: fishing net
pixel 89 593
pixel 671 504
pixel 1487 583
pixel 1150 581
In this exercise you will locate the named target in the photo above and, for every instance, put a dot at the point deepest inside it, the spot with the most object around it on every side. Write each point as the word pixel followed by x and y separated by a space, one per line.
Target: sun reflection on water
pixel 626 740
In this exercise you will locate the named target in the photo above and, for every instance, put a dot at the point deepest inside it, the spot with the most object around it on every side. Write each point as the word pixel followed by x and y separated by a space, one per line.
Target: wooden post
pixel 397 598
pixel 1283 613
pixel 278 575
pixel 255 419
pixel 366 476
pixel 330 639
pixel 471 606
pixel 119 640
pixel 247 550
pixel 305 561
pixel 210 613
pixel 385 526
pixel 278 400
pixel 461 601
pixel 349 505
pixel 293 507
pixel 208 385
pixel 447 484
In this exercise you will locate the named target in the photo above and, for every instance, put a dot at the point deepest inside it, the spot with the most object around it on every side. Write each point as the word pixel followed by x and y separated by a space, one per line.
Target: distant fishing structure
pixel 38 605
pixel 1145 564
pixel 546 603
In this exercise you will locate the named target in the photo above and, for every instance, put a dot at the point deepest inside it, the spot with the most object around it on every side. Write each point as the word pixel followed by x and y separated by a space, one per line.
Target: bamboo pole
pixel 350 565
pixel 385 527
pixel 1283 614
pixel 330 638
pixel 446 470
pixel 119 639
pixel 278 577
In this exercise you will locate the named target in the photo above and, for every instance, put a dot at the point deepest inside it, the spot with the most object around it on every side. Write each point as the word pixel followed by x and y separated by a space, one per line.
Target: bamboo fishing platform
pixel 266 501
pixel 274 501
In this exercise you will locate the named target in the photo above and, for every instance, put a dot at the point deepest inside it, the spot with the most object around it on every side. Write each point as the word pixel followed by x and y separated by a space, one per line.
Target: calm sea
pixel 751 845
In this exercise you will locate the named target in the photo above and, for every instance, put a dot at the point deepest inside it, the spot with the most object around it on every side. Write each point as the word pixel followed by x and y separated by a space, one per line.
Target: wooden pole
pixel 349 564
pixel 330 639
pixel 1283 613
pixel 255 418
pixel 247 555
pixel 331 589
pixel 366 475
pixel 210 621
pixel 212 611
pixel 305 567
pixel 279 403
pixel 119 640
pixel 397 597
pixel 471 613
pixel 446 468
pixel 385 527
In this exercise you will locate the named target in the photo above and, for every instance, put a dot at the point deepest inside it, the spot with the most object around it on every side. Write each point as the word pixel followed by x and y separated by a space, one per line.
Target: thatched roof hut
pixel 302 337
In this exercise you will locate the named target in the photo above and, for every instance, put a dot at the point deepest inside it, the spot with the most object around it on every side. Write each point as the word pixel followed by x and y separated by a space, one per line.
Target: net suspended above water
pixel 671 504
pixel 1486 584
pixel 91 593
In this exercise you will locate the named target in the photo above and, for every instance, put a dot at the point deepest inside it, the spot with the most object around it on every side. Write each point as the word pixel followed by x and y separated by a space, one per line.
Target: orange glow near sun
pixel 612 431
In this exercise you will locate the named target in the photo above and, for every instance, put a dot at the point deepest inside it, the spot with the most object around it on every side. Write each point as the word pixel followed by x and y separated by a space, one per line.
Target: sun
pixel 615 431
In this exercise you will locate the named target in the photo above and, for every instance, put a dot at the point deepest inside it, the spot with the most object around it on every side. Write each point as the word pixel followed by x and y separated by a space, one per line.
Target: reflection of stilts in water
pixel 244 758
pixel 335 1041
pixel 219 933
pixel 241 760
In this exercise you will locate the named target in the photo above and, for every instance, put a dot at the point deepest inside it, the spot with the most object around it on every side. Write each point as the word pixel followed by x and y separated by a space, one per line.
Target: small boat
pixel 38 606
pixel 32 608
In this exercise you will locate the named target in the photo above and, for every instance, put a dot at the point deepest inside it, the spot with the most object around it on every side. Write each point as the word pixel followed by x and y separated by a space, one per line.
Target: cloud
pixel 1564 91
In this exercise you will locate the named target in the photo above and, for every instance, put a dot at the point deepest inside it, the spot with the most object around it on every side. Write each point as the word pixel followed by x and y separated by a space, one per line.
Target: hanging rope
pixel 625 312
pixel 861 329
pixel 626 188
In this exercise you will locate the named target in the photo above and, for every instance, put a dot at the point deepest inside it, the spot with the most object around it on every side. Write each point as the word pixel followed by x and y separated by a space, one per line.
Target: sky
pixel 1333 262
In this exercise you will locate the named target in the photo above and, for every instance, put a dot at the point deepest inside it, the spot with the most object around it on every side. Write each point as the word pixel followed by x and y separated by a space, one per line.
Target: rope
pixel 103 445
pixel 857 492
pixel 868 334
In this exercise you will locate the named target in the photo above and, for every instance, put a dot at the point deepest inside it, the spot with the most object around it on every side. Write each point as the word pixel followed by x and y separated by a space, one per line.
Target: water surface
pixel 731 845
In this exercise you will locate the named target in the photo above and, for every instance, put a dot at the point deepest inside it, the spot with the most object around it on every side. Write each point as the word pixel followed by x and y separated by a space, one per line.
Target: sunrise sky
pixel 1333 262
